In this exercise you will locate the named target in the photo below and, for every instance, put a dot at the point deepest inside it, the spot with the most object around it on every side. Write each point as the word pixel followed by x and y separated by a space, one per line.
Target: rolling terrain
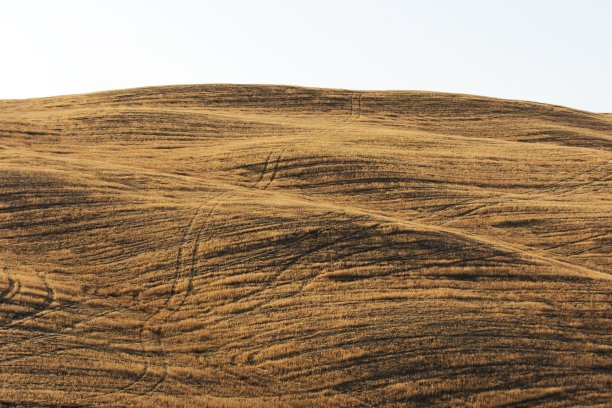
pixel 225 246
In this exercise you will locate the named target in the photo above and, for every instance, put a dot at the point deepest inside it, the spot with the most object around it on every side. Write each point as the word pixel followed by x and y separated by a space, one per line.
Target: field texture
pixel 268 246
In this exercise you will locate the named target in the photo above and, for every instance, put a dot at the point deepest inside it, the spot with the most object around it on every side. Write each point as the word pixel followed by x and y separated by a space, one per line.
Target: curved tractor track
pixel 36 310
pixel 12 288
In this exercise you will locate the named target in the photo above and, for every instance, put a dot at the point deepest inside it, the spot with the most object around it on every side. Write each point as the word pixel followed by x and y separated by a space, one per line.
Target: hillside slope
pixel 267 245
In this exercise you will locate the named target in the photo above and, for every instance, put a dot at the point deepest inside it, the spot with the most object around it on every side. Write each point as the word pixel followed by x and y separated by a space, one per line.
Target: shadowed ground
pixel 278 246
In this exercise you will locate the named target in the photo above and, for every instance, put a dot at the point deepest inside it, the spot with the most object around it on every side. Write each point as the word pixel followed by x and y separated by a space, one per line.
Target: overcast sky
pixel 541 50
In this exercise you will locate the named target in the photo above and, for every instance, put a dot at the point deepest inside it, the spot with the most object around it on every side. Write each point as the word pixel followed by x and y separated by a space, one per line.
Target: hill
pixel 228 245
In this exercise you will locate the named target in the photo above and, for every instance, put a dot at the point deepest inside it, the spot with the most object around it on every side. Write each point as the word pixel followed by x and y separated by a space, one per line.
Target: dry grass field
pixel 265 246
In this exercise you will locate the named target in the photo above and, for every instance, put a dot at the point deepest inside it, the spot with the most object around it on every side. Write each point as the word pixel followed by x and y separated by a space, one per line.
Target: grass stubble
pixel 265 246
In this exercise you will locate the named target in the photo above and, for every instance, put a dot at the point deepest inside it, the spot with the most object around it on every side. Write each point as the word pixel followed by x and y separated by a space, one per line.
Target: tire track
pixel 74 325
pixel 194 260
pixel 298 258
pixel 468 212
pixel 563 184
pixel 512 248
pixel 152 335
pixel 346 237
pixel 12 287
pixel 96 349
pixel 356 117
pixel 605 178
pixel 164 376
pixel 351 117
pixel 265 168
pixel 483 239
pixel 292 262
pixel 275 170
pixel 192 273
pixel 189 289
pixel 179 256
pixel 38 309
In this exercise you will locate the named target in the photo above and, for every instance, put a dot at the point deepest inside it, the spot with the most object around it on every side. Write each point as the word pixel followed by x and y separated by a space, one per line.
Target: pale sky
pixel 550 51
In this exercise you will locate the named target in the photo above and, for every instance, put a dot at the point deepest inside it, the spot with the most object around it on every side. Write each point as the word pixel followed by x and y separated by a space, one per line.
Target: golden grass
pixel 266 246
